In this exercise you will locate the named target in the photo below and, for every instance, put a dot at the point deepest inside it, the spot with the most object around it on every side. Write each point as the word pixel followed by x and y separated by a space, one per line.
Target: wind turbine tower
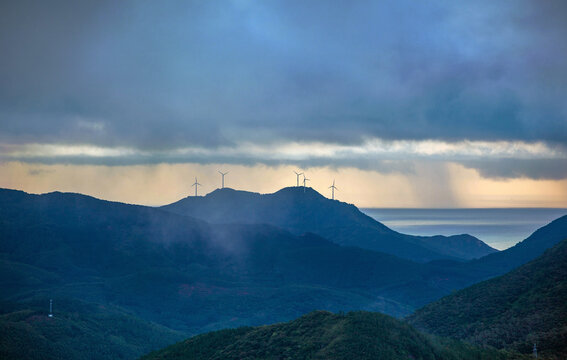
pixel 297 174
pixel 50 308
pixel 196 185
pixel 333 188
pixel 223 174
pixel 304 180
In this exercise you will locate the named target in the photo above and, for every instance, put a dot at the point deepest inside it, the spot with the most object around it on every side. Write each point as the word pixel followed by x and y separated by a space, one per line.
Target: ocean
pixel 499 228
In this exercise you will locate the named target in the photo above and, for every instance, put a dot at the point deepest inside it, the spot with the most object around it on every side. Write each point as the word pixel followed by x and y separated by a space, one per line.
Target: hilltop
pixel 78 331
pixel 323 335
pixel 513 311
pixel 301 210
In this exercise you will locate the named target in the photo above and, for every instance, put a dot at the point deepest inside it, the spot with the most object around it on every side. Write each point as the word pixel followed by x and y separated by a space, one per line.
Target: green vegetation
pixel 181 272
pixel 184 274
pixel 77 331
pixel 513 311
pixel 323 335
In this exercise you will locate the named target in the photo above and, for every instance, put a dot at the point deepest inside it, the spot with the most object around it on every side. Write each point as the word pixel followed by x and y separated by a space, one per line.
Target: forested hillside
pixel 513 311
pixel 323 335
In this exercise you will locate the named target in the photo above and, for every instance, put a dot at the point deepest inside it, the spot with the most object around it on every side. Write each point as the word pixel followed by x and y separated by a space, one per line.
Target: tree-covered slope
pixel 191 276
pixel 188 275
pixel 77 331
pixel 302 210
pixel 516 310
pixel 323 335
pixel 184 273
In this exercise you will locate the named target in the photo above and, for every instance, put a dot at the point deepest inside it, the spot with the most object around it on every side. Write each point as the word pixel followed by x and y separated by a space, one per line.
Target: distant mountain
pixel 77 331
pixel 323 335
pixel 450 275
pixel 146 258
pixel 519 254
pixel 182 272
pixel 302 210
pixel 513 311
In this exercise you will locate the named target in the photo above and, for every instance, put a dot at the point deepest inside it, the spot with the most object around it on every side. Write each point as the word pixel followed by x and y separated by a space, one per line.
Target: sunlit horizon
pixel 434 186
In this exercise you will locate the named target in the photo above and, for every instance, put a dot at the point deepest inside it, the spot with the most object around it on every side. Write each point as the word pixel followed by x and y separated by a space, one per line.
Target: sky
pixel 402 103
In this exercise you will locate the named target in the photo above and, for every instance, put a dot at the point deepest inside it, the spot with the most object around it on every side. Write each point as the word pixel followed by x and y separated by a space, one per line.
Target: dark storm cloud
pixel 554 169
pixel 161 75
pixel 539 169
pixel 384 166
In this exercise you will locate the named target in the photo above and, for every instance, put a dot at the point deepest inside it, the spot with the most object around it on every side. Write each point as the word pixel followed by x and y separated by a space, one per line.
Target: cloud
pixel 38 171
pixel 502 159
pixel 554 169
pixel 160 76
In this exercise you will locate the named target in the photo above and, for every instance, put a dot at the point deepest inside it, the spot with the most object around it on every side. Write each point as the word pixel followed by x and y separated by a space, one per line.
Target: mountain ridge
pixel 62 239
pixel 524 251
pixel 513 311
pixel 188 275
pixel 299 209
pixel 323 335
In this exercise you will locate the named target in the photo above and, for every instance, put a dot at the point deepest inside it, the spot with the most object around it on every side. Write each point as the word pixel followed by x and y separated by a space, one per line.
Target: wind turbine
pixel 223 174
pixel 296 173
pixel 333 188
pixel 304 180
pixel 196 185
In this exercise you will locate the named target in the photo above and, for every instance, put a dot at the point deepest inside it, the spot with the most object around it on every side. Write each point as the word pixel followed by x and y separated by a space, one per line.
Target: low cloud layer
pixel 492 159
pixel 143 80
pixel 554 169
